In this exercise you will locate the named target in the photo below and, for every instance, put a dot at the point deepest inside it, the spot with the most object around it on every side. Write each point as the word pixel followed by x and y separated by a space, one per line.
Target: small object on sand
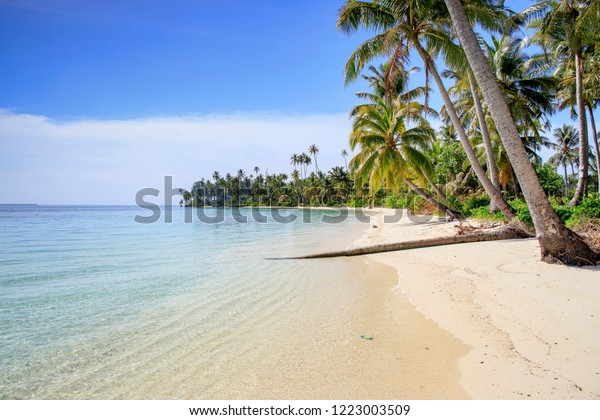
pixel 375 226
pixel 366 337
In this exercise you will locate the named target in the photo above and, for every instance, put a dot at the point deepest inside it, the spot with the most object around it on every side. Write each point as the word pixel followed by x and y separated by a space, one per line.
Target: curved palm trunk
pixel 595 141
pixel 441 208
pixel 437 189
pixel 583 137
pixel 487 141
pixel 557 243
pixel 492 191
pixel 430 200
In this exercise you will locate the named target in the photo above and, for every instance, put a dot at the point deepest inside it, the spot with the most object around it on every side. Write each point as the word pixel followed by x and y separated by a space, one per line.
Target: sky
pixel 101 98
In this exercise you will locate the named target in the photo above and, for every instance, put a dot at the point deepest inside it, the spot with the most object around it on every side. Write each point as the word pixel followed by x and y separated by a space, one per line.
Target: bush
pixel 552 183
pixel 563 212
pixel 471 203
pixel 589 208
pixel 483 213
pixel 522 211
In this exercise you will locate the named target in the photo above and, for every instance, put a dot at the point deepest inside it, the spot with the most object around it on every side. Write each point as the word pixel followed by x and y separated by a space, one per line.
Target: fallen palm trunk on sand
pixel 508 232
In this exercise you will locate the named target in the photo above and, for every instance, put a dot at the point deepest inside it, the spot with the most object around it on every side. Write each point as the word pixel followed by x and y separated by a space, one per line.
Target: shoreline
pixel 531 327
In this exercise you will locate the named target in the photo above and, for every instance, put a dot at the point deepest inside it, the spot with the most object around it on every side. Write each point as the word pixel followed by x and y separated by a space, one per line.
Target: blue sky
pixel 100 98
pixel 125 59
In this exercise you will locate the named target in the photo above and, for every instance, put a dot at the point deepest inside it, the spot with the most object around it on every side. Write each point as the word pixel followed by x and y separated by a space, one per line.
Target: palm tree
pixel 567 95
pixel 295 175
pixel 562 31
pixel 390 154
pixel 256 171
pixel 407 24
pixel 529 95
pixel 557 243
pixel 466 88
pixel 295 160
pixel 344 154
pixel 304 160
pixel 565 144
pixel 313 150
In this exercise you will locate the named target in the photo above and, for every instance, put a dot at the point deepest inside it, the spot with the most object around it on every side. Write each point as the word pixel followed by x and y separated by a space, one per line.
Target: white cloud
pixel 107 162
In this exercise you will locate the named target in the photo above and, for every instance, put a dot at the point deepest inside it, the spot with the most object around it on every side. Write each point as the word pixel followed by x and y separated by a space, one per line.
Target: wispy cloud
pixel 107 162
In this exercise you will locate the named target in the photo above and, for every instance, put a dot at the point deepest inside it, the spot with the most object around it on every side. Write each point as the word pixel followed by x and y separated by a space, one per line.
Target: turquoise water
pixel 94 305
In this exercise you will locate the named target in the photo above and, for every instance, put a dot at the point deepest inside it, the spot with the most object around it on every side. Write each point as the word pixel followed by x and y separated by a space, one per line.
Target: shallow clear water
pixel 94 305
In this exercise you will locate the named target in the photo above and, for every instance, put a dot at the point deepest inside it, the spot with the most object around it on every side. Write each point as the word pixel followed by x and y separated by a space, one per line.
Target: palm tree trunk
pixel 437 189
pixel 583 137
pixel 595 140
pixel 494 235
pixel 441 208
pixel 557 243
pixel 566 183
pixel 515 182
pixel 492 191
pixel 489 150
pixel 430 200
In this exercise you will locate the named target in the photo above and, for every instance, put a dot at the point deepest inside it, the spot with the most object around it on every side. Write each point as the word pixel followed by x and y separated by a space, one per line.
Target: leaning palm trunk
pixel 557 243
pixel 494 235
pixel 492 191
pixel 485 134
pixel 595 141
pixel 441 208
pixel 583 138
pixel 437 189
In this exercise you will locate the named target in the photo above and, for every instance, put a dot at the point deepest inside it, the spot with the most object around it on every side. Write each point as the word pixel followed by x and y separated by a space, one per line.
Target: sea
pixel 116 302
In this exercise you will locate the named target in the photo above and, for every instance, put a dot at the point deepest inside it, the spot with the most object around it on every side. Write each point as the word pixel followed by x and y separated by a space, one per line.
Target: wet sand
pixel 531 327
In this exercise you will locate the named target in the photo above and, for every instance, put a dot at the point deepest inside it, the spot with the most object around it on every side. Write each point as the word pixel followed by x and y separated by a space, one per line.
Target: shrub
pixel 471 203
pixel 483 213
pixel 589 208
pixel 552 182
pixel 522 211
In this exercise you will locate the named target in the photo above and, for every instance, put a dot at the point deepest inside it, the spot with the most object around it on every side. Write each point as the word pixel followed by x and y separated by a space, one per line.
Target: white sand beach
pixel 532 328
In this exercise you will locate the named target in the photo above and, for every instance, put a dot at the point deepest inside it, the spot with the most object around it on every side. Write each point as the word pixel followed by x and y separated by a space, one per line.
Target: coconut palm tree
pixel 530 96
pixel 565 144
pixel 423 25
pixel 313 150
pixel 304 160
pixel 468 101
pixel 295 175
pixel 295 160
pixel 567 96
pixel 562 31
pixel 344 154
pixel 389 154
pixel 557 243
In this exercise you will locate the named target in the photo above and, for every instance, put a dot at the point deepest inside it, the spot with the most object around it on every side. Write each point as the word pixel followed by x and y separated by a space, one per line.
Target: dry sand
pixel 532 329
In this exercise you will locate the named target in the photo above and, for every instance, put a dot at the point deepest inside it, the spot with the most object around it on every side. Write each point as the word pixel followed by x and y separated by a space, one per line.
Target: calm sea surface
pixel 95 305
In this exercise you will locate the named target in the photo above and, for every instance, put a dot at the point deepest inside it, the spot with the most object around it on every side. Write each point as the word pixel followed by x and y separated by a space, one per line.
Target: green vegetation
pixel 484 160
